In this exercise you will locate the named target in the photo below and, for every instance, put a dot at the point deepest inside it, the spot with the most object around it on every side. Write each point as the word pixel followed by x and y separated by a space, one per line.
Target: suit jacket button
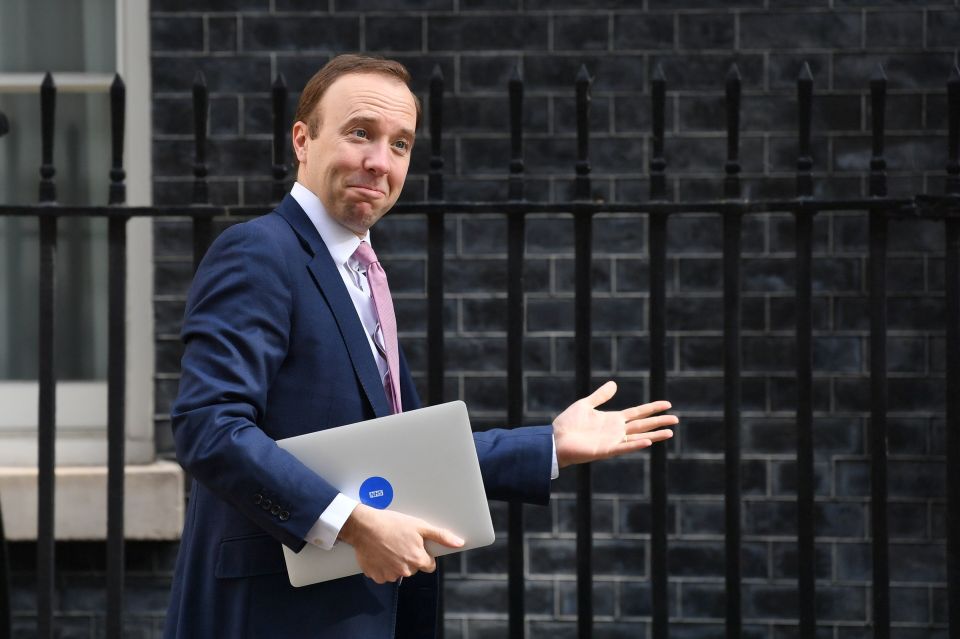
pixel 257 498
pixel 284 515
pixel 275 510
pixel 265 504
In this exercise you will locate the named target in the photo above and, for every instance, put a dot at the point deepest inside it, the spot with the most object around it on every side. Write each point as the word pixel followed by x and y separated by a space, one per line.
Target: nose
pixel 377 159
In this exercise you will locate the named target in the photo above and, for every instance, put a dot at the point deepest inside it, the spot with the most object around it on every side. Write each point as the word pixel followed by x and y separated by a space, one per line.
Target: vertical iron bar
pixel 5 628
pixel 953 356
pixel 116 389
pixel 878 366
pixel 657 248
pixel 116 371
pixel 583 232
pixel 804 258
pixel 515 250
pixel 202 226
pixel 731 348
pixel 46 422
pixel 435 233
pixel 279 98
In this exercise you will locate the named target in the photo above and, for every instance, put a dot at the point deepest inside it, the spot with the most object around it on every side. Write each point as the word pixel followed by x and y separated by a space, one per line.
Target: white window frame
pixel 154 489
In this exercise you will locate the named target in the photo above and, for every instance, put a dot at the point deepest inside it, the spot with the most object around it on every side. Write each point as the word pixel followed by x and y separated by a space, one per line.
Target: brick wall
pixel 241 46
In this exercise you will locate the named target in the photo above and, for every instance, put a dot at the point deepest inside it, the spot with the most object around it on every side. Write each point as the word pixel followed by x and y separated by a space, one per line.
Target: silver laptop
pixel 421 463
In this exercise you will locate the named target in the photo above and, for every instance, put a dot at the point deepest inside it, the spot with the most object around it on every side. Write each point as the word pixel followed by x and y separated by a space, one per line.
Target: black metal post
pixel 435 234
pixel 279 99
pixel 46 423
pixel 657 248
pixel 515 249
pixel 731 360
pixel 116 370
pixel 5 627
pixel 878 366
pixel 583 232
pixel 202 225
pixel 806 563
pixel 952 275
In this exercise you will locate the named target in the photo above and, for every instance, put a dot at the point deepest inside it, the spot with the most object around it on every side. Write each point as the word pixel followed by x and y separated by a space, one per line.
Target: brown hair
pixel 340 66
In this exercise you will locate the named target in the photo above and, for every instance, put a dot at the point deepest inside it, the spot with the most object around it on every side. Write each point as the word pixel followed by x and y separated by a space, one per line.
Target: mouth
pixel 367 191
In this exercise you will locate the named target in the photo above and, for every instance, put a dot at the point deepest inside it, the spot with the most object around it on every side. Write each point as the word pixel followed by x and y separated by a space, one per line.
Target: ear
pixel 299 136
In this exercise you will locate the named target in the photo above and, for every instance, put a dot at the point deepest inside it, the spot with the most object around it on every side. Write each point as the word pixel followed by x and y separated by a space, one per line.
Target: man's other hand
pixel 585 434
pixel 390 545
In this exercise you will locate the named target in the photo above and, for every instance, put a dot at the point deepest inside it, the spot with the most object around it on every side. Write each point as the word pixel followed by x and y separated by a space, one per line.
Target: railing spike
pixel 658 73
pixel 733 74
pixel 118 103
pixel 48 102
pixel 879 74
pixel 805 74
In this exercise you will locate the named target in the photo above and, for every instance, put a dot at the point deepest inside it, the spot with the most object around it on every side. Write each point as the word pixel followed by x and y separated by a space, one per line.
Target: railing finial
pixel 200 113
pixel 953 132
pixel 878 105
pixel 804 118
pixel 658 164
pixel 48 108
pixel 515 87
pixel 279 102
pixel 582 183
pixel 118 105
pixel 731 185
pixel 435 177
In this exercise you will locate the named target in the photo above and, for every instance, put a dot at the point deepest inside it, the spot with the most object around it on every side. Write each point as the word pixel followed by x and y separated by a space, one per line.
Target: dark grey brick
pixel 601 512
pixel 483 33
pixel 706 477
pixel 701 600
pixel 169 33
pixel 643 31
pixel 210 5
pixel 785 560
pixel 706 30
pixel 581 32
pixel 784 69
pixel 223 74
pixel 903 70
pixel 636 517
pixel 301 33
pixel 488 71
pixel 559 71
pixel 942 28
pixel 393 33
pixel 701 354
pixel 565 121
pixel 918 562
pixel 222 34
pixel 475 596
pixel 604 598
pixel 783 313
pixel 702 71
pixel 798 30
pixel 894 29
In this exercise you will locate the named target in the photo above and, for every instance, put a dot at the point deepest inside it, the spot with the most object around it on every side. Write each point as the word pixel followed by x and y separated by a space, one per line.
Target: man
pixel 286 333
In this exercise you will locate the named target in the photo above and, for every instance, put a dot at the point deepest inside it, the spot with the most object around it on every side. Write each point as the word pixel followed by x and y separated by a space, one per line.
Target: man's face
pixel 358 162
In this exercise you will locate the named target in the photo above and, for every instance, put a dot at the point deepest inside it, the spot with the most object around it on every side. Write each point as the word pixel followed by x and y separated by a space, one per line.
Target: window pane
pixel 58 35
pixel 81 150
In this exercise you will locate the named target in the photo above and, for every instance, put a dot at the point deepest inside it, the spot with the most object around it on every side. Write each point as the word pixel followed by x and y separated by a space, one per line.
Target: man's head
pixel 353 134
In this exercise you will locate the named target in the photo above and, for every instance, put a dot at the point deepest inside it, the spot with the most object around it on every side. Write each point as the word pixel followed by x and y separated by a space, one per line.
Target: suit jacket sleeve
pixel 236 333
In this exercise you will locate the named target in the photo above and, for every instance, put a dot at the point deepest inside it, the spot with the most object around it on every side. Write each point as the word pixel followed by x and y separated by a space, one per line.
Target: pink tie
pixel 377 279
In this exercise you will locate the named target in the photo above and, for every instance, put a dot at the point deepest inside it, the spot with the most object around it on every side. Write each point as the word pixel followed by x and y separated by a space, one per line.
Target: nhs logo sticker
pixel 376 492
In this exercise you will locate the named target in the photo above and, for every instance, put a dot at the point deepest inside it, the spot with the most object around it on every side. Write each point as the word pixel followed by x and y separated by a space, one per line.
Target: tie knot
pixel 365 254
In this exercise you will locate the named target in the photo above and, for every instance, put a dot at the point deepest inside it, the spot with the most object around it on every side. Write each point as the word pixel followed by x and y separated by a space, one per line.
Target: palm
pixel 584 434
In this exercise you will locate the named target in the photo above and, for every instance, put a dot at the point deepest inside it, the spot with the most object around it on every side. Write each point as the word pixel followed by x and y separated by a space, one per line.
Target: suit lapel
pixel 331 286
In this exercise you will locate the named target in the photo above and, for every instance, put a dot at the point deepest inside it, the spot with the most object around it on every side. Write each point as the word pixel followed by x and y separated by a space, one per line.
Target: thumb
pixel 603 394
pixel 441 536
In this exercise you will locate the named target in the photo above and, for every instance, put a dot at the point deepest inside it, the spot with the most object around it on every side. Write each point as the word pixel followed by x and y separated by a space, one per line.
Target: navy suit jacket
pixel 274 348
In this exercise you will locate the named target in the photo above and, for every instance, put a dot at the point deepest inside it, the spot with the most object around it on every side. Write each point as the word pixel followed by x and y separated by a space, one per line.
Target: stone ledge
pixel 153 502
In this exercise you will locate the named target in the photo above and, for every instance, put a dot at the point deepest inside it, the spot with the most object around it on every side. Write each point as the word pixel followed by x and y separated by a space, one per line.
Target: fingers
pixel 646 410
pixel 633 443
pixel 651 423
pixel 441 536
pixel 603 394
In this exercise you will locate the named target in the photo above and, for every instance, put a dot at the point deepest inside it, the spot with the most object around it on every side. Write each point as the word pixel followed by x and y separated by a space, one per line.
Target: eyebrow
pixel 362 120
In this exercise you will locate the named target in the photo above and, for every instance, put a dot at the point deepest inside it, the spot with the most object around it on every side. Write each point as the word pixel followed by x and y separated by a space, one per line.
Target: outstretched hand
pixel 584 434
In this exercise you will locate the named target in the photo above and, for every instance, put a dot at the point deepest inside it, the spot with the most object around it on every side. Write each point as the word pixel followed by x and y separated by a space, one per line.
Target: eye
pixel 360 133
pixel 401 145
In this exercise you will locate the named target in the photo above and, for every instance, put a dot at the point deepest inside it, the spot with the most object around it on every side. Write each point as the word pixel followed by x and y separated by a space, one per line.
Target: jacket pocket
pixel 249 556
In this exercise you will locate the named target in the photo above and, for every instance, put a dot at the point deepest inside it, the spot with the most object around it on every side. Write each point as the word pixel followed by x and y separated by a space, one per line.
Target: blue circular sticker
pixel 376 492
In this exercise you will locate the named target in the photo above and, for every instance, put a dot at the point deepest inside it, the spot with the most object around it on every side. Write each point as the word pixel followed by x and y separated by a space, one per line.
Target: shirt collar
pixel 340 241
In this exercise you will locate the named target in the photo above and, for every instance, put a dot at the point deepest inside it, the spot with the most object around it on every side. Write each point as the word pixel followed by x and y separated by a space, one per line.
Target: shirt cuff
pixel 555 465
pixel 324 533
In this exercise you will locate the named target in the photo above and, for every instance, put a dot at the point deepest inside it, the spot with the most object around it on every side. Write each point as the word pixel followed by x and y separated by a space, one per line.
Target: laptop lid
pixel 421 463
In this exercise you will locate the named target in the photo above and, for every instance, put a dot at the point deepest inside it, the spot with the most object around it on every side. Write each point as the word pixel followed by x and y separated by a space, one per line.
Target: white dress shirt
pixel 342 243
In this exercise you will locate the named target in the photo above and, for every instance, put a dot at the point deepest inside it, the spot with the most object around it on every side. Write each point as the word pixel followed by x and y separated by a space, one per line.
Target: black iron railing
pixel 731 207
